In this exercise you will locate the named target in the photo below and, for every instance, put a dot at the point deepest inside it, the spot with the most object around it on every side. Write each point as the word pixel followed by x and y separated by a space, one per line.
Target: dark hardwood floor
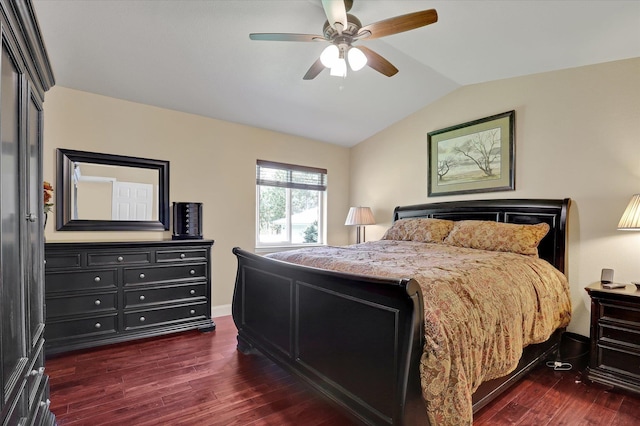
pixel 195 378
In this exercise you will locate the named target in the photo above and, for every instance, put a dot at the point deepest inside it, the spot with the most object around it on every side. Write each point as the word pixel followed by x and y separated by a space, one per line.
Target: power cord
pixel 559 366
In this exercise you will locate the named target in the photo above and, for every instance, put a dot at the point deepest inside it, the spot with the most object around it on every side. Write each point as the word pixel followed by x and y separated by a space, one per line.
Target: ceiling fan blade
pixel 336 14
pixel 399 24
pixel 315 69
pixel 378 63
pixel 285 37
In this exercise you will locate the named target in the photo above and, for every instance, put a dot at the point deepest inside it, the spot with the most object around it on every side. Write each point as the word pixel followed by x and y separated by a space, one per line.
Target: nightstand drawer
pixel 161 274
pixel 80 280
pixel 618 312
pixel 175 314
pixel 93 303
pixel 620 360
pixel 182 255
pixel 619 335
pixel 118 258
pixel 150 296
pixel 95 326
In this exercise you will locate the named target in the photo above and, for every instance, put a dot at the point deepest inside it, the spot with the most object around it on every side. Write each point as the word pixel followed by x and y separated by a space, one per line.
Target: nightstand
pixel 615 336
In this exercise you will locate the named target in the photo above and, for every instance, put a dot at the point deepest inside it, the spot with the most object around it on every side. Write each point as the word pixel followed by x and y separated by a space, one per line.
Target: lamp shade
pixel 360 216
pixel 630 220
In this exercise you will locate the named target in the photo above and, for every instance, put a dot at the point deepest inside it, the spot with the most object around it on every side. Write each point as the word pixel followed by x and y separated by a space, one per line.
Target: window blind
pixel 290 176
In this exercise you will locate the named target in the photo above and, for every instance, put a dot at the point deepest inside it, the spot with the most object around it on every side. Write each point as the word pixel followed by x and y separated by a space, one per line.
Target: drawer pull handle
pixel 97 279
pixel 38 372
pixel 142 297
pixel 192 292
pixel 182 255
pixel 193 311
pixel 45 404
pixel 192 272
pixel 98 325
pixel 141 275
pixel 142 319
pixel 97 302
pixel 120 258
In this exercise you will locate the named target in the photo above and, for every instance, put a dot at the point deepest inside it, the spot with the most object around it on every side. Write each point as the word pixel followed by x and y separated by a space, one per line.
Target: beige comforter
pixel 480 309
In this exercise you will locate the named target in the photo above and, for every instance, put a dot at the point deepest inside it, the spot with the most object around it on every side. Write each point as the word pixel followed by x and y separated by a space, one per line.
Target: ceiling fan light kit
pixel 333 57
pixel 341 29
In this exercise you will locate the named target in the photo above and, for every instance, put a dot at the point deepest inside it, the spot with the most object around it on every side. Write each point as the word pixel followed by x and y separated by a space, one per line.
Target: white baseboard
pixel 220 311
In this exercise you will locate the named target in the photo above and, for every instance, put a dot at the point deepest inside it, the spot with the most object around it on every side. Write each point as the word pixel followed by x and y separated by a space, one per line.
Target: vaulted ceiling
pixel 196 56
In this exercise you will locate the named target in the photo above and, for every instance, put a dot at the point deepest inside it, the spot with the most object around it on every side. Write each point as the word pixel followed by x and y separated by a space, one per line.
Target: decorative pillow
pixel 423 230
pixel 498 236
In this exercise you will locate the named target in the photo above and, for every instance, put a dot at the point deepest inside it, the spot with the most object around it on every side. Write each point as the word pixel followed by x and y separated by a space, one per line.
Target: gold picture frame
pixel 477 156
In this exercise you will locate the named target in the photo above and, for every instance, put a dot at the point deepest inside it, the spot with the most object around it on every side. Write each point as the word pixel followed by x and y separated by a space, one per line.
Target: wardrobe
pixel 25 76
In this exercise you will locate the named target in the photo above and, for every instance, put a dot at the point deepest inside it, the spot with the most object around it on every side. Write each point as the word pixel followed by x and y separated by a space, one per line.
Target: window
pixel 290 204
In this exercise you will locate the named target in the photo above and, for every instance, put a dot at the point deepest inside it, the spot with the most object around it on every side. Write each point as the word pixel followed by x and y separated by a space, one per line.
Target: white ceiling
pixel 196 56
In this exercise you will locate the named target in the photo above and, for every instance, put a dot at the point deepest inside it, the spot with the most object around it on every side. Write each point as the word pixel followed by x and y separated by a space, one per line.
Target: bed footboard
pixel 355 339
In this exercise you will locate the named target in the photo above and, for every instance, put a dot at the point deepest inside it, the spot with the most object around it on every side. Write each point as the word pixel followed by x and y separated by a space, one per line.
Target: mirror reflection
pixel 107 192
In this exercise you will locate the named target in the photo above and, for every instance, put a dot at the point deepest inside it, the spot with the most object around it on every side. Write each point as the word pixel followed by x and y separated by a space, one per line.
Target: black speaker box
pixel 187 221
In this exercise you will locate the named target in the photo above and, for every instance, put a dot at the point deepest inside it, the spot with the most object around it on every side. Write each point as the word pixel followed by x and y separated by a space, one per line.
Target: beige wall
pixel 577 136
pixel 211 161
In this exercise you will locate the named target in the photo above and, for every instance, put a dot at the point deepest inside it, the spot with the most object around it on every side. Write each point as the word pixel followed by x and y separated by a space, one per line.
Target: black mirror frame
pixel 65 157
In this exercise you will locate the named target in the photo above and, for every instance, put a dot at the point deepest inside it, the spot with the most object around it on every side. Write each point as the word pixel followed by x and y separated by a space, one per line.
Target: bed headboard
pixel 521 211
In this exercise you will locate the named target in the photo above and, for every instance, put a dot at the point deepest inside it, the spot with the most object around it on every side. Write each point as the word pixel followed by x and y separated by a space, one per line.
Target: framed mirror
pixel 106 192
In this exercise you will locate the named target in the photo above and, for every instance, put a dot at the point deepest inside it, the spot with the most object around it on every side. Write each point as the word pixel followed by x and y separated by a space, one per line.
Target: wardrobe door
pixel 34 261
pixel 12 311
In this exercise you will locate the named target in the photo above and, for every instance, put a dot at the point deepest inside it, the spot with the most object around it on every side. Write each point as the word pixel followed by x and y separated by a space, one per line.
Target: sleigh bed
pixel 359 338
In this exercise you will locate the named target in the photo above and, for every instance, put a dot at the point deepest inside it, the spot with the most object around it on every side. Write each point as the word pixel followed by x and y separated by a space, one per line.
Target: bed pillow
pixel 423 230
pixel 498 236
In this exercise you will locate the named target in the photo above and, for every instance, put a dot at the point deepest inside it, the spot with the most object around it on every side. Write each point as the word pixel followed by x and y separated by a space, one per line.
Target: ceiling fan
pixel 342 29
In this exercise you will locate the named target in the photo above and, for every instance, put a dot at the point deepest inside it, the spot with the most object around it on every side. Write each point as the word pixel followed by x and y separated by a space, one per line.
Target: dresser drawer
pixel 618 312
pixel 188 254
pixel 74 305
pixel 150 296
pixel 620 360
pixel 80 280
pixel 62 260
pixel 95 326
pixel 174 314
pixel 118 258
pixel 159 274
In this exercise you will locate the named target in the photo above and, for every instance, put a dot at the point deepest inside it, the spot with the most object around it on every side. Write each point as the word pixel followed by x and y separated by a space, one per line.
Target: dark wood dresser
pixel 615 336
pixel 98 293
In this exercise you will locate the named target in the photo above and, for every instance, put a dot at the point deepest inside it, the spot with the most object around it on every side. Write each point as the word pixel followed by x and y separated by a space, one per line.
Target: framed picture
pixel 477 156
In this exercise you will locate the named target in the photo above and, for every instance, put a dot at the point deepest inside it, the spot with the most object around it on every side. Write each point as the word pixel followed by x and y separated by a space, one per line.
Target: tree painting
pixel 470 158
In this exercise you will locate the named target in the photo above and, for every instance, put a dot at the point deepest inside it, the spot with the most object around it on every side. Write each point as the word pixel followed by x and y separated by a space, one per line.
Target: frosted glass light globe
pixel 330 55
pixel 357 59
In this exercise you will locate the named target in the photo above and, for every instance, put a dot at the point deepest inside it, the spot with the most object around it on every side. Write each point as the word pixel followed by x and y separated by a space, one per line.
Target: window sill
pixel 275 249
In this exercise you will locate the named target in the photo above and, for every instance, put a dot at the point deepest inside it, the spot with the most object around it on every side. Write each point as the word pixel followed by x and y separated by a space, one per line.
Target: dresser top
pixel 132 244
